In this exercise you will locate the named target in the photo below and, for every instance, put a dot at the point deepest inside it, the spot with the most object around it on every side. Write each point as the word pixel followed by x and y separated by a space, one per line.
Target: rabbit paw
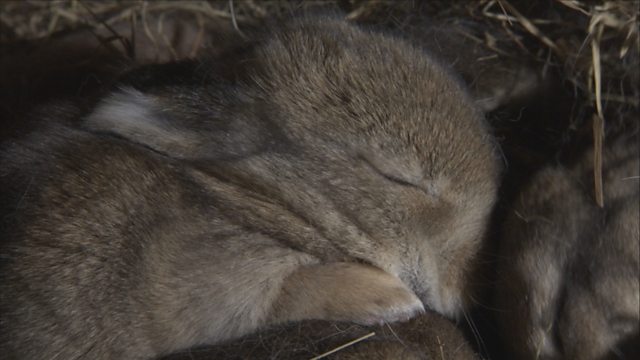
pixel 347 292
pixel 385 302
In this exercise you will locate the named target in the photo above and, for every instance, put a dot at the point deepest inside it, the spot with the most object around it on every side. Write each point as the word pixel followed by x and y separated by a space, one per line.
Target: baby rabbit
pixel 427 336
pixel 570 269
pixel 323 172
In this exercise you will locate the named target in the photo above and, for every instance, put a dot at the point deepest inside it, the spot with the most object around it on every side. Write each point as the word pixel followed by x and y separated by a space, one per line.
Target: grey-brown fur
pixel 325 173
pixel 569 271
pixel 427 336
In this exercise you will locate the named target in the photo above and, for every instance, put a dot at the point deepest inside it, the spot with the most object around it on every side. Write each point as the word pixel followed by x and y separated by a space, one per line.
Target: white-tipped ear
pixel 137 117
pixel 178 130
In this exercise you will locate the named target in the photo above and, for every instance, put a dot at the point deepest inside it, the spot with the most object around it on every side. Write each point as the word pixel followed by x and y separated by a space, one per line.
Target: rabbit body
pixel 426 336
pixel 569 284
pixel 324 172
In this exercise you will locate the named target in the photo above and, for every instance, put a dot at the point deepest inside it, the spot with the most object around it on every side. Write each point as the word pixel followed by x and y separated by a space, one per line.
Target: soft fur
pixel 427 336
pixel 569 271
pixel 324 172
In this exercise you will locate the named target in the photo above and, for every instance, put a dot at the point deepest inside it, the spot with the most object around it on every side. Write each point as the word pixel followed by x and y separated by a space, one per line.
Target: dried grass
pixel 343 346
pixel 554 34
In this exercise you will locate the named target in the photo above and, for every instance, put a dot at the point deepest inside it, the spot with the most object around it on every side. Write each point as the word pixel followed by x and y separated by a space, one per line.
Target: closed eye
pixel 389 177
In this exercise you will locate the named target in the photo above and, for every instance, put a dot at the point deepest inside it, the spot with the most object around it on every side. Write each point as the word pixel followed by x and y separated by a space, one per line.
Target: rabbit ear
pixel 143 119
pixel 135 116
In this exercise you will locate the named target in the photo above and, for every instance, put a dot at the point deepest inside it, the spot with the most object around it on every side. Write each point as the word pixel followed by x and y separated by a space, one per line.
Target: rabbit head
pixel 320 172
pixel 361 135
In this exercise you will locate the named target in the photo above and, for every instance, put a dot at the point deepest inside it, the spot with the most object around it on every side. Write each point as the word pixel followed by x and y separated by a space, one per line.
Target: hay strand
pixel 344 346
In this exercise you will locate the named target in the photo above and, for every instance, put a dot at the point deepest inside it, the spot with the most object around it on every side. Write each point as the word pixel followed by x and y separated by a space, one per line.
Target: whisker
pixel 476 302
pixel 476 334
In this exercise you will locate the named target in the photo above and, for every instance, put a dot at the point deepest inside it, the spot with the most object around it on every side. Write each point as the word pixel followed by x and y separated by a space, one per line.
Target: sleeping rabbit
pixel 321 172
pixel 569 276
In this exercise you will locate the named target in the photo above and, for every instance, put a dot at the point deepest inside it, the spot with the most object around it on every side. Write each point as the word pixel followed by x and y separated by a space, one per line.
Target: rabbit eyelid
pixel 407 176
pixel 392 178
